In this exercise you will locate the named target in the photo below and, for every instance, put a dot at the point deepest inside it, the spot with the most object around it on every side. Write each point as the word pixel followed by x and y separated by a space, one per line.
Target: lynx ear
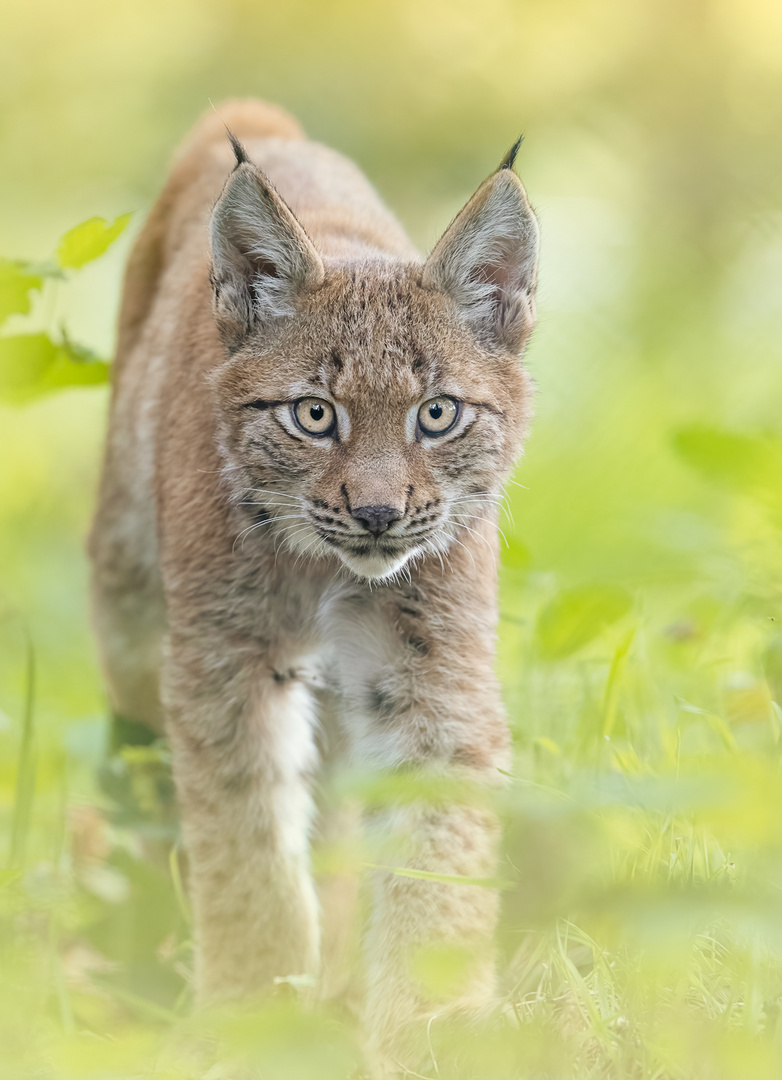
pixel 262 259
pixel 487 259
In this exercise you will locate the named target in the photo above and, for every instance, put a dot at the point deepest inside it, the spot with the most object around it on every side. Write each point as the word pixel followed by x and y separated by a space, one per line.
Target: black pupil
pixel 435 411
pixel 316 412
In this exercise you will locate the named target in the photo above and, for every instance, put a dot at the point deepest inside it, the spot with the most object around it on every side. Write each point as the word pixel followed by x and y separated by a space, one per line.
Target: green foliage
pixel 35 364
pixel 88 241
pixel 16 284
pixel 751 464
pixel 32 365
pixel 576 616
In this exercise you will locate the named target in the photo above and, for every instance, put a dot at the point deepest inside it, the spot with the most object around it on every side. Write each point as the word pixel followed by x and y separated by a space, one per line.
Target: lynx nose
pixel 376 518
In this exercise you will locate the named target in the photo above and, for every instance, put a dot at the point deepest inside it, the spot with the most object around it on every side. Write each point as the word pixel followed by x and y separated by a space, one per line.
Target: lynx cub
pixel 309 430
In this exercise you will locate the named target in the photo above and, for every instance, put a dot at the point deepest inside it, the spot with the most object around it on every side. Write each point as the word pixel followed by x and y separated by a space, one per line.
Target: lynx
pixel 309 431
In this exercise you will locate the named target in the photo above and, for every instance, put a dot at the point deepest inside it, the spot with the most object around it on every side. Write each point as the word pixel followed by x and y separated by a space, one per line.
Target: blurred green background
pixel 640 644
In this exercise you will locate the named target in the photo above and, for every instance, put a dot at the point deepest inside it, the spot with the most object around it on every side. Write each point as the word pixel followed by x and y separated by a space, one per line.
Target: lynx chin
pixel 294 548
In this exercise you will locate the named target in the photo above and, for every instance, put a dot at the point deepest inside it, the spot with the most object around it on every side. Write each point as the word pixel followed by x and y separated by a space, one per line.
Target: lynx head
pixel 369 410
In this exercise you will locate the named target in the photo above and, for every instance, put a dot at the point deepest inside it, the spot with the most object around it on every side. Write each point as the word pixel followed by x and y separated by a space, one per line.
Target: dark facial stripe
pixel 490 408
pixel 462 434
pixel 282 427
pixel 260 404
pixel 273 451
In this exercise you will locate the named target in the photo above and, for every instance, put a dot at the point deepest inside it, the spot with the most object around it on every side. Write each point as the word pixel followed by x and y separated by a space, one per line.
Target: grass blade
pixel 25 776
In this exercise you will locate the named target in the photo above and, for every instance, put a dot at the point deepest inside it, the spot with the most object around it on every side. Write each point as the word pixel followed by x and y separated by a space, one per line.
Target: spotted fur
pixel 243 568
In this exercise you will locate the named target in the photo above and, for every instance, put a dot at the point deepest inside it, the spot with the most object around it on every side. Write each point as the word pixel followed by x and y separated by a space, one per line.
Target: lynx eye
pixel 437 416
pixel 314 416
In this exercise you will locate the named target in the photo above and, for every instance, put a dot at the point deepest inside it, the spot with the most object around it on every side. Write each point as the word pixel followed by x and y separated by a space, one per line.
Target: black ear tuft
pixel 510 158
pixel 262 259
pixel 241 155
pixel 486 261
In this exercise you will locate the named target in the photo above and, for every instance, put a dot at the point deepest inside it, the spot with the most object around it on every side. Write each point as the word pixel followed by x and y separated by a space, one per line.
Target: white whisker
pixel 283 494
pixel 260 525
pixel 488 521
pixel 472 559
pixel 480 537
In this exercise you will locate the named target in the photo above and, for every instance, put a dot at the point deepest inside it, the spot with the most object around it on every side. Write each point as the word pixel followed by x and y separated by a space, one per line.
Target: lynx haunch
pixel 294 548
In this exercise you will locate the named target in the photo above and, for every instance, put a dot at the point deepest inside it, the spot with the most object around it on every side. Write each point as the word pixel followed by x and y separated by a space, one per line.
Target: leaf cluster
pixel 33 364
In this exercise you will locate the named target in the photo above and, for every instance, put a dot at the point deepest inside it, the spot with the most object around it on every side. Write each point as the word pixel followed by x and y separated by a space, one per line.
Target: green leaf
pixel 747 463
pixel 88 241
pixel 66 373
pixel 32 365
pixel 547 744
pixel 16 284
pixel 24 361
pixel 611 696
pixel 75 365
pixel 576 616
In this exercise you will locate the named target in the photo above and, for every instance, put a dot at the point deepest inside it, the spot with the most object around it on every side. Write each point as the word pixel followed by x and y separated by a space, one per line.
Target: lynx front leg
pixel 420 928
pixel 421 698
pixel 241 730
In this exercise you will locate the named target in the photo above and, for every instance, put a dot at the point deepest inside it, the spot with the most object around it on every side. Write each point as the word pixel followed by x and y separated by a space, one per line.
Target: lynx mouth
pixel 375 561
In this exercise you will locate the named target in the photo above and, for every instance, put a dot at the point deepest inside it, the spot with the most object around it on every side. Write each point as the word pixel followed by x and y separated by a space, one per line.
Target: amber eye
pixel 314 416
pixel 438 415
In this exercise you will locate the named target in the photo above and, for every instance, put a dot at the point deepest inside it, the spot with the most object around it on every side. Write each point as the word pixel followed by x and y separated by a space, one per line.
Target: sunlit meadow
pixel 641 581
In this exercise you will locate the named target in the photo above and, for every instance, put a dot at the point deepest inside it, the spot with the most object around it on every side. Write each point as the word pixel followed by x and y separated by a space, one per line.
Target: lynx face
pixel 371 411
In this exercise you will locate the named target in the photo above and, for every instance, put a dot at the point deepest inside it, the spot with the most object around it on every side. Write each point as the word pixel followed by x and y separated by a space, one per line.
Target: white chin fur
pixel 374 566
